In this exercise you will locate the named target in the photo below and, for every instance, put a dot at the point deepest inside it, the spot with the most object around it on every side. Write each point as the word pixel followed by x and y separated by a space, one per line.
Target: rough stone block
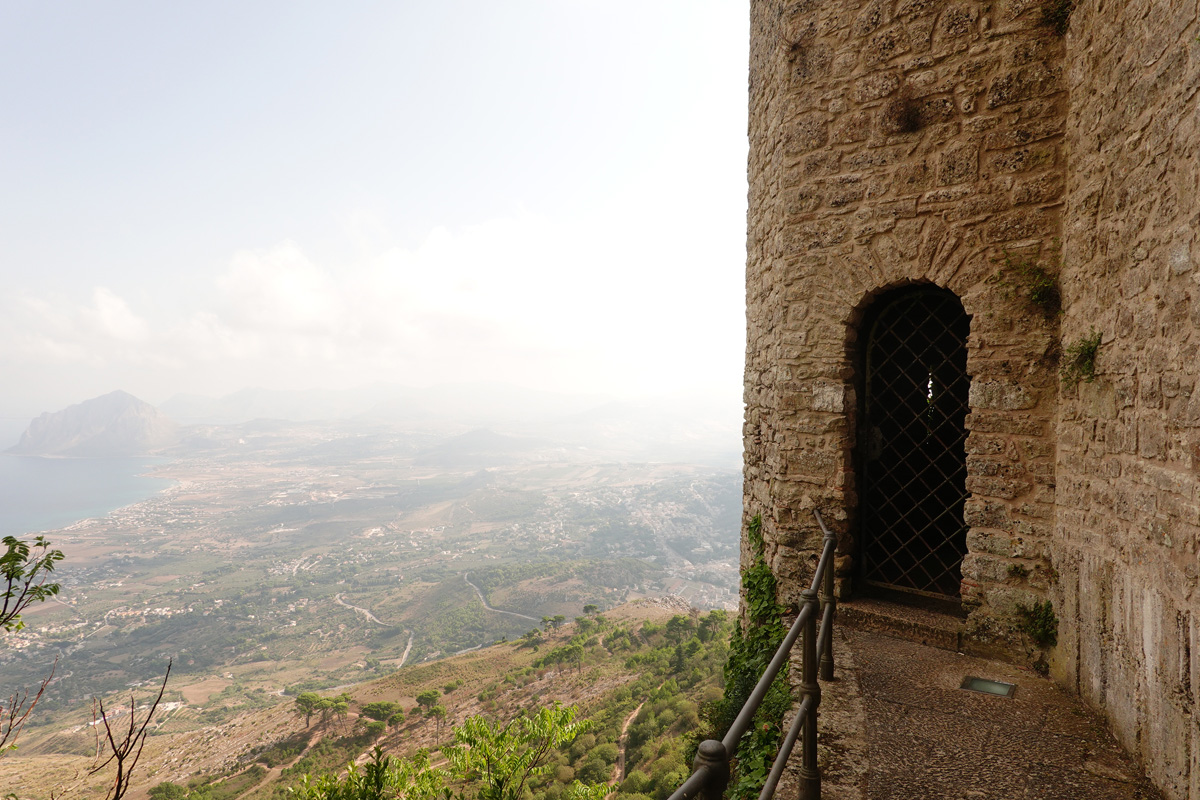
pixel 979 512
pixel 1000 395
pixel 1152 438
pixel 1021 425
pixel 996 487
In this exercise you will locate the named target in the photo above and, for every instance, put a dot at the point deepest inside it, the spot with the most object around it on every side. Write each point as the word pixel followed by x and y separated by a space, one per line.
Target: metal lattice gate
pixel 912 445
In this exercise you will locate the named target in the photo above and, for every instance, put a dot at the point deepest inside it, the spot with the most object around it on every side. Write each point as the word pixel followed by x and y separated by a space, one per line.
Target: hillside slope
pixel 639 673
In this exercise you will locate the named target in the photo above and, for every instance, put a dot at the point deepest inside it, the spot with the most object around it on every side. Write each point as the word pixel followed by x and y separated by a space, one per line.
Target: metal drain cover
pixel 985 686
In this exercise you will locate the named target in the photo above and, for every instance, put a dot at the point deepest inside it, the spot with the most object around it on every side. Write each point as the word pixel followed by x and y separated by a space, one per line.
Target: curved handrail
pixel 711 768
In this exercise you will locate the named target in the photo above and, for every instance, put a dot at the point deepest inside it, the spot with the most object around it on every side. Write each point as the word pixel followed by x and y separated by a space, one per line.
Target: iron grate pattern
pixel 915 458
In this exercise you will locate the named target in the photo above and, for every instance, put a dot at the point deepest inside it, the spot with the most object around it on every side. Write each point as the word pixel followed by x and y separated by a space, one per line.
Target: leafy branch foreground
pixel 24 569
pixel 493 762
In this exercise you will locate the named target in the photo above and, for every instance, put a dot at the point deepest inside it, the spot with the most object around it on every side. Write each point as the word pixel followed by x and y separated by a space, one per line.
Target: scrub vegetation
pixel 635 684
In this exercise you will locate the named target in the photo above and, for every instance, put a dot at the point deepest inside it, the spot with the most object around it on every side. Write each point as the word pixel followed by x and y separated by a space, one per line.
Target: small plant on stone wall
pixel 1056 15
pixel 1079 360
pixel 1039 623
pixel 902 112
pixel 1038 286
pixel 1018 571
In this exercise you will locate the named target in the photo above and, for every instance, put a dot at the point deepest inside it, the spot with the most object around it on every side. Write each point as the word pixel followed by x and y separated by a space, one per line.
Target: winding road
pixel 467 578
pixel 366 613
pixel 363 611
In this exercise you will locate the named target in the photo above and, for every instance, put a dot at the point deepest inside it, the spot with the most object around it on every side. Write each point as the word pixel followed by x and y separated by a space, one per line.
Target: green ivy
pixel 750 651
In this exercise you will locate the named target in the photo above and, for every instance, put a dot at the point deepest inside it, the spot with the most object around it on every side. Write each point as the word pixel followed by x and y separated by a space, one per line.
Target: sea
pixel 40 494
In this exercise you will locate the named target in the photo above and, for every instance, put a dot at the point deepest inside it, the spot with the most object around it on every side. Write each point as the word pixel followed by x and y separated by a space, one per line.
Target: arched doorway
pixel 911 442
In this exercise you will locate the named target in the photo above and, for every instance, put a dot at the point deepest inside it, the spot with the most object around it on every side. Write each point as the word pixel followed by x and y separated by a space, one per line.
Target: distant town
pixel 315 556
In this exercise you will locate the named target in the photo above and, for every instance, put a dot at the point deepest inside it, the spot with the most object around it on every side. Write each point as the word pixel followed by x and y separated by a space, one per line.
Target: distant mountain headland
pixel 113 425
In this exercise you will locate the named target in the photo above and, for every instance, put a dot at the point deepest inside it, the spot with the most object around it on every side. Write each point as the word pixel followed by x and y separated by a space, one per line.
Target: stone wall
pixel 1127 530
pixel 896 142
pixel 925 141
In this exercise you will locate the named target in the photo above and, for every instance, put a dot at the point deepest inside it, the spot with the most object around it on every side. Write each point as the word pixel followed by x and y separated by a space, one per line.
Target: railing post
pixel 810 777
pixel 828 606
pixel 711 754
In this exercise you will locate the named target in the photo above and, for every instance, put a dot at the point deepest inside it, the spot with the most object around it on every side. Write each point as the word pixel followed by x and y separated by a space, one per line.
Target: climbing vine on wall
pixel 750 651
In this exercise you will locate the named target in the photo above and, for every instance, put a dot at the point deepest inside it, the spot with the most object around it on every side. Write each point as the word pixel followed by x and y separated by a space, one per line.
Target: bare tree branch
pixel 125 752
pixel 13 715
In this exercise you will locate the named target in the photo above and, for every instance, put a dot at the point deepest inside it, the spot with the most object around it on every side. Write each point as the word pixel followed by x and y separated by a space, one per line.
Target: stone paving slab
pixel 896 725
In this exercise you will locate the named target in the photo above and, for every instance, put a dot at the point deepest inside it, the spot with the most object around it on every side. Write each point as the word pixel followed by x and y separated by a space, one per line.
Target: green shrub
pixel 594 770
pixel 380 710
pixel 582 745
pixel 1080 361
pixel 635 783
pixel 750 651
pixel 1039 623
pixel 167 791
pixel 606 752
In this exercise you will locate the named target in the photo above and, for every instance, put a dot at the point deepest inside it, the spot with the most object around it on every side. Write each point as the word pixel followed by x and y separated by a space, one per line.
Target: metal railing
pixel 711 768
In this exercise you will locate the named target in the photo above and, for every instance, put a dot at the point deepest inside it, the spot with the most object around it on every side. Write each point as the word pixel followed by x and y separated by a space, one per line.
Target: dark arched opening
pixel 911 442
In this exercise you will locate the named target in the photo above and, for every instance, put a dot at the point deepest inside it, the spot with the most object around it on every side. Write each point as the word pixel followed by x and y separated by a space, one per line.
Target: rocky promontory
pixel 113 425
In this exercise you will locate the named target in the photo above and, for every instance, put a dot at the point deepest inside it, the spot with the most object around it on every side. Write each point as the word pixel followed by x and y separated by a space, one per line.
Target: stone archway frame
pixel 1010 422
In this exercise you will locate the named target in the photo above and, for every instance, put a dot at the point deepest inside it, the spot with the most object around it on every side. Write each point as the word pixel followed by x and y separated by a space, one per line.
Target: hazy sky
pixel 200 197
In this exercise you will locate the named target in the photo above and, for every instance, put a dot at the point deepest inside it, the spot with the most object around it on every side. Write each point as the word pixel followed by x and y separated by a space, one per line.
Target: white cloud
pixel 109 318
pixel 518 298
pixel 280 290
pixel 40 329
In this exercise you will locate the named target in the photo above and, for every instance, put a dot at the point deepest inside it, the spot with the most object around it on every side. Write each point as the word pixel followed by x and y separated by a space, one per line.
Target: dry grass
pixel 197 694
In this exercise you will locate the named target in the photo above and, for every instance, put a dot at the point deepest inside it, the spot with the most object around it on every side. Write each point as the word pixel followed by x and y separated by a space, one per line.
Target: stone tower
pixel 947 200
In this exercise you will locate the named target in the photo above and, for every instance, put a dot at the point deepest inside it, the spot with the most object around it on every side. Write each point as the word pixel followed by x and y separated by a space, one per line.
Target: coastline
pixel 61 492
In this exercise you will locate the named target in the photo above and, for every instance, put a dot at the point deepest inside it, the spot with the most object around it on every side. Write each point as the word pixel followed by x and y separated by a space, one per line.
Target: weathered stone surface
pixel 926 149
pixel 1000 395
pixel 1128 606
pixel 936 141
